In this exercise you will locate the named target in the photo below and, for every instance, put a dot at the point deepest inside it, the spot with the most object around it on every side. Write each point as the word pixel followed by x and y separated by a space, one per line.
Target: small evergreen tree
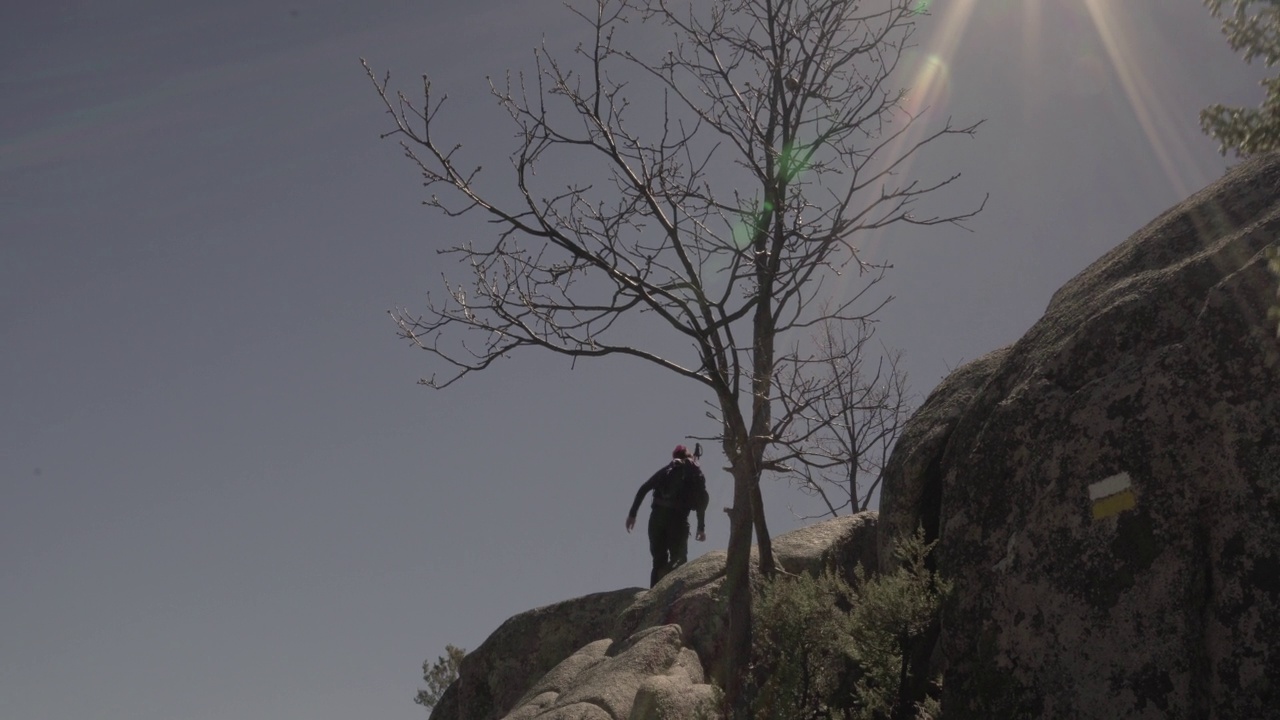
pixel 893 612
pixel 439 676
pixel 824 649
pixel 1254 27
pixel 801 650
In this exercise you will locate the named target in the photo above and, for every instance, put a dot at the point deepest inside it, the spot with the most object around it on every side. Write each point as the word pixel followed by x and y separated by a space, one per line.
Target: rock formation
pixel 650 675
pixel 498 672
pixel 631 654
pixel 1107 490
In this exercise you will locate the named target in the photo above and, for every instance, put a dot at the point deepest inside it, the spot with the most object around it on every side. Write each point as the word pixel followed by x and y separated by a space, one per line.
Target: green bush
pixel 439 676
pixel 823 649
pixel 801 647
pixel 894 613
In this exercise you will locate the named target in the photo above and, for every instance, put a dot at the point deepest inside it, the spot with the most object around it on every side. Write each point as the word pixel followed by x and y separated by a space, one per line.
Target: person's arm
pixel 702 500
pixel 635 505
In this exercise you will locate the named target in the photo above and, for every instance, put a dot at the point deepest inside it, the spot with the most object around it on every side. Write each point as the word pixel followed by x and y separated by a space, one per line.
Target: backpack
pixel 676 486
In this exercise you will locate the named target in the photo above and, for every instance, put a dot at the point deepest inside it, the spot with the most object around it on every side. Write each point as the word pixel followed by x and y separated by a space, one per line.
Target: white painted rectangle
pixel 1110 486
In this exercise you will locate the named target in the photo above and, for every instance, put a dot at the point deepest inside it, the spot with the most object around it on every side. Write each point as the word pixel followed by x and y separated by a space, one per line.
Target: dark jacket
pixel 678 487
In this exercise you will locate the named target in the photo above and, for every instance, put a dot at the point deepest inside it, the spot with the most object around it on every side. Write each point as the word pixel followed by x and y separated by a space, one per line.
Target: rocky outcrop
pixel 689 597
pixel 1107 490
pixel 632 654
pixel 651 675
pixel 498 672
pixel 840 544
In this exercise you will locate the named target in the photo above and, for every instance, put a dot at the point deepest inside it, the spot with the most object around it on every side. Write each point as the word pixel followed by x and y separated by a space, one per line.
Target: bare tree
pixel 733 169
pixel 841 408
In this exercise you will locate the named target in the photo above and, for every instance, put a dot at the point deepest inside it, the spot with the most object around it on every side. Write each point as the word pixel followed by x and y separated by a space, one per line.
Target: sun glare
pixel 1124 63
pixel 929 86
pixel 1100 47
pixel 1105 53
pixel 1148 107
pixel 930 82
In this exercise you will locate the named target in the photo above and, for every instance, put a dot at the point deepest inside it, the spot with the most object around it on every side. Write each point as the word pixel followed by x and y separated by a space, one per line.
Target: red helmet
pixel 680 452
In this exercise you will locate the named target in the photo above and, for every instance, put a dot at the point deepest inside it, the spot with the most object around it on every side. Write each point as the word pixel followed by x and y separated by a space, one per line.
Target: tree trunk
pixel 902 708
pixel 736 659
pixel 763 540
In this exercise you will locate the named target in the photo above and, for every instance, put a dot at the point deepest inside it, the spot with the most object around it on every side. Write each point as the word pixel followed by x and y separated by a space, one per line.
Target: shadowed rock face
pixel 1107 489
pixel 912 480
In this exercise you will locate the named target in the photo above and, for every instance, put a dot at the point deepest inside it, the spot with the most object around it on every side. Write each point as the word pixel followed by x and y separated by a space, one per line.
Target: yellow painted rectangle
pixel 1113 505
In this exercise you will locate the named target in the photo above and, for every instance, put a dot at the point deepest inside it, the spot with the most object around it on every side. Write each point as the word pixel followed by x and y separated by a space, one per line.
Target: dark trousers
pixel 668 541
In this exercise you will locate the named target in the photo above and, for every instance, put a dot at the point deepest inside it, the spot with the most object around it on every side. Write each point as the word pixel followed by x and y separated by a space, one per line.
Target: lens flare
pixel 1108 41
pixel 792 162
pixel 1108 59
pixel 931 85
pixel 744 230
pixel 931 81
pixel 928 86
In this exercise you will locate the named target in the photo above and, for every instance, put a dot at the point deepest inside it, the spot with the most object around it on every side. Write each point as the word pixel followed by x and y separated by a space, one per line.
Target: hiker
pixel 677 488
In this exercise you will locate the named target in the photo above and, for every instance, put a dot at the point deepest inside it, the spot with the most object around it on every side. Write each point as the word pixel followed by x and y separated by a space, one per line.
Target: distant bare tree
pixel 842 407
pixel 729 172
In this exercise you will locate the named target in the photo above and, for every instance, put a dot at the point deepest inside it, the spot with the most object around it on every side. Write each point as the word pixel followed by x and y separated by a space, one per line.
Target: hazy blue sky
pixel 222 496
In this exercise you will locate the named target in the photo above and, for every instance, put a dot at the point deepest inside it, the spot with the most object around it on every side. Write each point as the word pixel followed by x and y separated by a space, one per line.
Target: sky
pixel 222 494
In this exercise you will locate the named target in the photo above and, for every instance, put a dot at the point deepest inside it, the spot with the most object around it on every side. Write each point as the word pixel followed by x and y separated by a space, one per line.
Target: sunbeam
pixel 928 88
pixel 930 83
pixel 1105 51
pixel 1152 113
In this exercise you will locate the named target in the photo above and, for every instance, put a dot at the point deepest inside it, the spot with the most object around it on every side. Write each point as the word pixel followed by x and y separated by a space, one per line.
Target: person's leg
pixel 658 546
pixel 679 542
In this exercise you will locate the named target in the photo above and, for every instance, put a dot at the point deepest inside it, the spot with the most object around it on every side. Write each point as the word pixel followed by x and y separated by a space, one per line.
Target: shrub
pixel 823 649
pixel 801 646
pixel 893 622
pixel 439 676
